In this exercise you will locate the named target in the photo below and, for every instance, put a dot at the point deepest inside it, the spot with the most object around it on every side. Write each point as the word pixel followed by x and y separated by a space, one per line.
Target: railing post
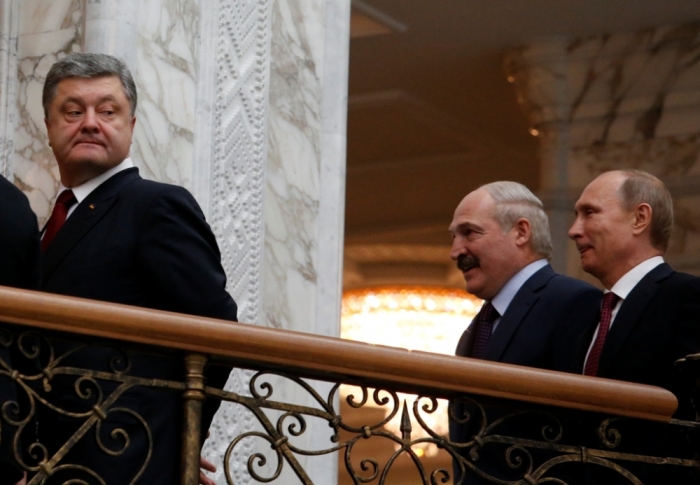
pixel 193 398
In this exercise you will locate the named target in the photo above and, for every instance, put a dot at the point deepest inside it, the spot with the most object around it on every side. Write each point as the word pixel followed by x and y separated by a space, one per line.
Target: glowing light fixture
pixel 414 318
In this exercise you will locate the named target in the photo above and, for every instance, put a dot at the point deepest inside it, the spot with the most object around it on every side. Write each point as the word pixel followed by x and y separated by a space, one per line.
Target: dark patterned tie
pixel 483 326
pixel 60 211
pixel 609 301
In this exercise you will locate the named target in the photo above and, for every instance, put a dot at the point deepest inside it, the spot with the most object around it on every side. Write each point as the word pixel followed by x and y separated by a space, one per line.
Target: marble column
pixel 9 29
pixel 244 103
pixel 620 100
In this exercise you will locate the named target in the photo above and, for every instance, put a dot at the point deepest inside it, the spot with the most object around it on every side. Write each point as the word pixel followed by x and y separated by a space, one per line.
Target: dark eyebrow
pixel 76 100
pixel 586 206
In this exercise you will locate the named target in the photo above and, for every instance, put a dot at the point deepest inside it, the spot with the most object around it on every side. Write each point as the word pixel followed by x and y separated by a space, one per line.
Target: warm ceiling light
pixel 415 318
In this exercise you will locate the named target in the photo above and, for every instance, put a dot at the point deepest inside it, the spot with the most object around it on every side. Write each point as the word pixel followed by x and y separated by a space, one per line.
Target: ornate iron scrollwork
pixel 532 444
pixel 531 459
pixel 38 367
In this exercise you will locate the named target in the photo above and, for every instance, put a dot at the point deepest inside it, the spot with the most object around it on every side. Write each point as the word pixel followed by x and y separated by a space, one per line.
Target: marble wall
pixel 9 29
pixel 622 100
pixel 241 101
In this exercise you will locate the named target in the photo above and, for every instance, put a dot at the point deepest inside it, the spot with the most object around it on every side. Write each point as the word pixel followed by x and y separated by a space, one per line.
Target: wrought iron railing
pixel 526 425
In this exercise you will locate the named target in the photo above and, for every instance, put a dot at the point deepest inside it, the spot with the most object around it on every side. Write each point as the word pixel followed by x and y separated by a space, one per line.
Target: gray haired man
pixel 501 243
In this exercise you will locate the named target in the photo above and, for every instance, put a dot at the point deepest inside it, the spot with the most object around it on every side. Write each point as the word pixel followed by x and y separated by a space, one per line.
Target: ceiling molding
pixel 405 163
pixel 467 134
pixel 375 14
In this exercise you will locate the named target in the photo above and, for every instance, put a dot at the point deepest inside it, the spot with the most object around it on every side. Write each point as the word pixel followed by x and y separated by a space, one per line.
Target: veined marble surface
pixel 303 188
pixel 626 99
pixel 166 79
pixel 623 100
pixel 9 29
pixel 48 31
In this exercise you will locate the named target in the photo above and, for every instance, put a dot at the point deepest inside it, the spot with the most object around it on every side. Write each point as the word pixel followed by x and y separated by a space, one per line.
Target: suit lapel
pixel 521 304
pixel 83 219
pixel 630 313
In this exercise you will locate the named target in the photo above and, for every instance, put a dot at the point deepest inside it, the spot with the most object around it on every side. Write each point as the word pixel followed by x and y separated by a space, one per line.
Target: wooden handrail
pixel 315 355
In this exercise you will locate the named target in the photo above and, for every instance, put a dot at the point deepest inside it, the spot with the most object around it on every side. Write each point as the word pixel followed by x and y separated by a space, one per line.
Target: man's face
pixel 603 229
pixel 486 255
pixel 90 127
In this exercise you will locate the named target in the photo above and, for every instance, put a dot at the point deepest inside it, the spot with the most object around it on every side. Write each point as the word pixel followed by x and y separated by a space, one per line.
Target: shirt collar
pixel 503 298
pixel 625 284
pixel 84 189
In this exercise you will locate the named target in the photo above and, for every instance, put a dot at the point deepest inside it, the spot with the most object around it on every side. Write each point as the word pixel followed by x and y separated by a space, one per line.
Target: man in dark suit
pixel 501 242
pixel 19 267
pixel 19 239
pixel 623 225
pixel 124 240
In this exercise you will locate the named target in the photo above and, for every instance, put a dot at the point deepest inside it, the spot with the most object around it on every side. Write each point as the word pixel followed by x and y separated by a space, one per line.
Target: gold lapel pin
pixel 92 206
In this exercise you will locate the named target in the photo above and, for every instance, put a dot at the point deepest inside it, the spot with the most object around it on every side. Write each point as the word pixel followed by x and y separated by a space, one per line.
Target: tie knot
pixel 488 312
pixel 610 299
pixel 67 198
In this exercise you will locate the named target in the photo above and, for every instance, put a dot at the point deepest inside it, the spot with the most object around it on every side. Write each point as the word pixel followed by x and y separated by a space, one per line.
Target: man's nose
pixel 457 249
pixel 90 124
pixel 575 229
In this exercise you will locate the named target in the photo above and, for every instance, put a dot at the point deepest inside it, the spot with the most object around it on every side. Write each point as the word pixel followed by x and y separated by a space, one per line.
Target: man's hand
pixel 205 464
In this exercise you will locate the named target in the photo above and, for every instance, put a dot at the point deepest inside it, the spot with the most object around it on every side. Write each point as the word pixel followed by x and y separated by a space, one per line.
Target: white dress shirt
pixel 86 188
pixel 503 298
pixel 622 289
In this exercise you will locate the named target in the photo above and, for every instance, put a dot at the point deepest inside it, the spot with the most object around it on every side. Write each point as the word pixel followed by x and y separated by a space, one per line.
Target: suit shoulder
pixel 144 186
pixel 146 191
pixel 568 284
pixel 17 213
pixel 681 282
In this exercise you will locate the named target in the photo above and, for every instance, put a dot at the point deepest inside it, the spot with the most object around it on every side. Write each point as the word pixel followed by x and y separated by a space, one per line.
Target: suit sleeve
pixel 178 252
pixel 688 325
pixel 19 240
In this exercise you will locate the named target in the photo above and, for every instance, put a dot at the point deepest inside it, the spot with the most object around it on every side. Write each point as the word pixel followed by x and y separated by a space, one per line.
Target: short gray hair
pixel 515 201
pixel 88 65
pixel 641 187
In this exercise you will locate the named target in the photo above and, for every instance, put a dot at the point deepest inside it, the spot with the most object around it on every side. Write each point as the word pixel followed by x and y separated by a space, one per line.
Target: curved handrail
pixel 315 355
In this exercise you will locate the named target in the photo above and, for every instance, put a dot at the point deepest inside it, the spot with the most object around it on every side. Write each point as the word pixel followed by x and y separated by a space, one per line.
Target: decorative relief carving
pixel 236 186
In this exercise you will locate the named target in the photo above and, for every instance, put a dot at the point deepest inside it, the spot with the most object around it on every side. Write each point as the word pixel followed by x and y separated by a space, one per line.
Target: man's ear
pixel 523 231
pixel 642 218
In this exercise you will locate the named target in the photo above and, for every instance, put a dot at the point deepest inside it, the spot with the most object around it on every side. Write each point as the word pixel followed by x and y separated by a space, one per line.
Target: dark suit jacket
pixel 142 243
pixel 533 332
pixel 19 267
pixel 19 239
pixel 657 324
pixel 546 306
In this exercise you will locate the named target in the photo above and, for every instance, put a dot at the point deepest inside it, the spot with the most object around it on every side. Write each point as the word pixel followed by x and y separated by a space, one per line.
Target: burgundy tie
pixel 60 211
pixel 484 324
pixel 609 301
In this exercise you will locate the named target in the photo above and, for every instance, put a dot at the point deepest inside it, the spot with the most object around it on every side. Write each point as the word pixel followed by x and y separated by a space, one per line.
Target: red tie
pixel 610 299
pixel 484 324
pixel 60 211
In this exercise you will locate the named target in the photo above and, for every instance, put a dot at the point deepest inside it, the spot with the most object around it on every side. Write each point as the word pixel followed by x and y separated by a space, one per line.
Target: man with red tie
pixel 116 237
pixel 501 243
pixel 650 314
